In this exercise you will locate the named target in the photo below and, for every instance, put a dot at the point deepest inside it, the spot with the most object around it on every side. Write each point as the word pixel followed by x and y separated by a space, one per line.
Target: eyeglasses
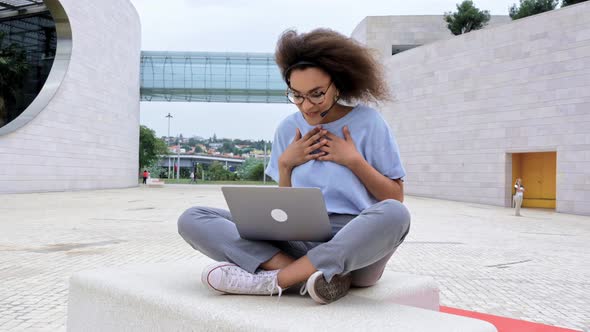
pixel 315 97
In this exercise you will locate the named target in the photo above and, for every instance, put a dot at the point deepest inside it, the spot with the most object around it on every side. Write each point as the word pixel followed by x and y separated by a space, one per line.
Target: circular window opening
pixel 31 69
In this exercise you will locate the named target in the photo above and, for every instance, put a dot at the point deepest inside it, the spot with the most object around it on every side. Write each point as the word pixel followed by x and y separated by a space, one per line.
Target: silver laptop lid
pixel 279 213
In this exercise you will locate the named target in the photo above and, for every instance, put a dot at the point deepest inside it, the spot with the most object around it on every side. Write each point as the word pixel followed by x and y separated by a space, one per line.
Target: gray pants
pixel 360 244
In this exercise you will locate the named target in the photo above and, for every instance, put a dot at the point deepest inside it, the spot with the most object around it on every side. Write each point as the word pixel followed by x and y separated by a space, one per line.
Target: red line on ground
pixel 504 324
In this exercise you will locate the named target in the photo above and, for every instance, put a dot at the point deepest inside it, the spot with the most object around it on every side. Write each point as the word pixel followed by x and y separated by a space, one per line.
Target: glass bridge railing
pixel 211 77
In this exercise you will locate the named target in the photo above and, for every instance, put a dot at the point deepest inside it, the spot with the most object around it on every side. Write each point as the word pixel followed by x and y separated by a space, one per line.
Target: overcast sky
pixel 253 26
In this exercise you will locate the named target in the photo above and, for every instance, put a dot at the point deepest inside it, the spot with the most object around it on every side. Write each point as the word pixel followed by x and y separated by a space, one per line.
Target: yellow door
pixel 538 173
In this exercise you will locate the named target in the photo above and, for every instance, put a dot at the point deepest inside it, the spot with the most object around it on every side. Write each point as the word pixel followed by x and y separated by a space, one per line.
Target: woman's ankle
pixel 283 280
pixel 297 272
pixel 277 262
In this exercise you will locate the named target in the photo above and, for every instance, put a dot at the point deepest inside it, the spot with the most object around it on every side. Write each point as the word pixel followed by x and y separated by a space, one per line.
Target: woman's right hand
pixel 301 148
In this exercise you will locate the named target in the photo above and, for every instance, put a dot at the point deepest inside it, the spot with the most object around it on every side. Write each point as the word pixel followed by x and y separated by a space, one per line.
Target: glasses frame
pixel 306 96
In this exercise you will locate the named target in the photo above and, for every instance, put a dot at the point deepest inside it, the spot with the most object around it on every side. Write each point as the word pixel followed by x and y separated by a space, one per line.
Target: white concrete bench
pixel 170 297
pixel 152 182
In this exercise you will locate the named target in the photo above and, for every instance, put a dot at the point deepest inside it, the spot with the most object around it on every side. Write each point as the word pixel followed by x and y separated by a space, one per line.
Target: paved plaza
pixel 484 258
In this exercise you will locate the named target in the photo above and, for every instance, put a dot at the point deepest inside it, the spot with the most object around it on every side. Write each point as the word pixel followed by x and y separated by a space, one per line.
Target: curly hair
pixel 354 70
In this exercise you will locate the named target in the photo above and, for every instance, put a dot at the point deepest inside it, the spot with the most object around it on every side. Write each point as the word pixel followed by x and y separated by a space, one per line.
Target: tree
pixel 251 169
pixel 218 173
pixel 467 18
pixel 199 171
pixel 257 172
pixel 13 73
pixel 259 145
pixel 570 2
pixel 246 150
pixel 150 147
pixel 227 147
pixel 531 7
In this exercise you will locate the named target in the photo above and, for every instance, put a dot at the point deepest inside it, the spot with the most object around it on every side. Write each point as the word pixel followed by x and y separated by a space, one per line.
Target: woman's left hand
pixel 340 150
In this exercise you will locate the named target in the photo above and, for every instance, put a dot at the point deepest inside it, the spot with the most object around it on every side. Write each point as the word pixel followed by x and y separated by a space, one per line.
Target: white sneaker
pixel 324 292
pixel 229 278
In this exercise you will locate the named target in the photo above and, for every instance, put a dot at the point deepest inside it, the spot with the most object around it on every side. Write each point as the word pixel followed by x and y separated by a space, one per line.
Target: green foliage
pixel 467 18
pixel 233 183
pixel 257 172
pixel 150 147
pixel 251 169
pixel 13 73
pixel 199 171
pixel 259 145
pixel 531 7
pixel 227 147
pixel 185 173
pixel 217 172
pixel 155 171
pixel 570 2
pixel 246 150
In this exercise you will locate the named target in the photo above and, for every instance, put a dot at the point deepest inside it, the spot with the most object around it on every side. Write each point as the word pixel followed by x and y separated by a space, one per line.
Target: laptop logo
pixel 279 215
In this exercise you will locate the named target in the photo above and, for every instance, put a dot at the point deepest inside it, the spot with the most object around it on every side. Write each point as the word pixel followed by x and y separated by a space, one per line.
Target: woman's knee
pixel 191 218
pixel 397 215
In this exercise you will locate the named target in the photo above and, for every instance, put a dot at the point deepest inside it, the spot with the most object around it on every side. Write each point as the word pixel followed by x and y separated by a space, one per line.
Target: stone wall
pixel 381 32
pixel 87 135
pixel 464 104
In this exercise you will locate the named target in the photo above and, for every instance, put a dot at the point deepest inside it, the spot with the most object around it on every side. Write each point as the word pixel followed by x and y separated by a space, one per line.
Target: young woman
pixel 348 152
pixel 518 196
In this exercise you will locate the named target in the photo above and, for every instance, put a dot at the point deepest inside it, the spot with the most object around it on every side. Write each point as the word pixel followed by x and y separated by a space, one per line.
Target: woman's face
pixel 312 83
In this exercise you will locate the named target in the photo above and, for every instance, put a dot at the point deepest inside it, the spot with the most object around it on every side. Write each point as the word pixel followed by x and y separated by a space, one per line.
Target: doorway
pixel 538 171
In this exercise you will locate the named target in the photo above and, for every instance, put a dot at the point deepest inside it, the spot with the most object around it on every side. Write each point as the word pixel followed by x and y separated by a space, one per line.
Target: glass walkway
pixel 211 77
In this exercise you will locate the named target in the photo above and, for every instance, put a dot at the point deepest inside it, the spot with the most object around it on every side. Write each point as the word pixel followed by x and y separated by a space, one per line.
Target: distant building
pixel 215 146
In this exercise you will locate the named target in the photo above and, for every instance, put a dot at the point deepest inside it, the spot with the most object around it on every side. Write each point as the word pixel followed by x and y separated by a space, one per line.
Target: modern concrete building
pixel 393 34
pixel 79 129
pixel 473 112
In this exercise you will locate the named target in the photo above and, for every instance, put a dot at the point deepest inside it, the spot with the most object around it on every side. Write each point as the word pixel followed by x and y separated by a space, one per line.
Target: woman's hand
pixel 301 148
pixel 341 151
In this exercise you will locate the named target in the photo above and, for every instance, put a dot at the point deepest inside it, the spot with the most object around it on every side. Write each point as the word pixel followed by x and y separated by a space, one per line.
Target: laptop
pixel 279 213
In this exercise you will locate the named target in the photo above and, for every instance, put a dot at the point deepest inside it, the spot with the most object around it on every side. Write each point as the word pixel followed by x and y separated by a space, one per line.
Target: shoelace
pixel 303 289
pixel 243 280
pixel 274 285
pixel 279 291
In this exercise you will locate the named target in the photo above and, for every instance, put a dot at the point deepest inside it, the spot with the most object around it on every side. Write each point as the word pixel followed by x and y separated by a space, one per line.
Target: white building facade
pixel 473 112
pixel 82 130
pixel 394 34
